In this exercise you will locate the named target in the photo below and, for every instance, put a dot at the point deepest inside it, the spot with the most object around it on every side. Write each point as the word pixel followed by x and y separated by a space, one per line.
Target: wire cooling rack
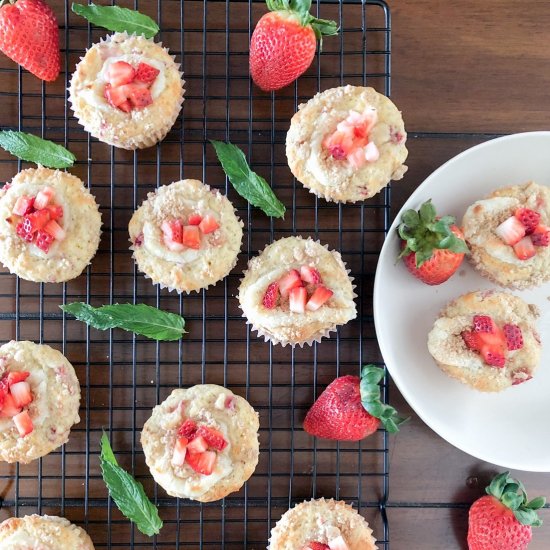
pixel 123 376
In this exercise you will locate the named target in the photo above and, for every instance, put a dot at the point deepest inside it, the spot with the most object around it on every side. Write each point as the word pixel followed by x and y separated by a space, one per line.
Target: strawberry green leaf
pixel 427 212
pixel 115 18
pixel 536 503
pixel 527 517
pixel 34 149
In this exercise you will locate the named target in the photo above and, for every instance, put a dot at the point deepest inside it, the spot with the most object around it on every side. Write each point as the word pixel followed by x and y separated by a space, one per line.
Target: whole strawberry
pixel 284 41
pixel 29 35
pixel 502 519
pixel 433 247
pixel 350 408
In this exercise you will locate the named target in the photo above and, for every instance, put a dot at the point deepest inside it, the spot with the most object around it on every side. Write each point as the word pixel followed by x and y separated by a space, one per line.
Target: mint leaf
pixel 115 18
pixel 139 318
pixel 127 493
pixel 247 183
pixel 34 149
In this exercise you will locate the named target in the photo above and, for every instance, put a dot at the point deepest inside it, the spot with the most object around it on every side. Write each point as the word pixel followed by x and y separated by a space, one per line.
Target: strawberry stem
pixel 371 377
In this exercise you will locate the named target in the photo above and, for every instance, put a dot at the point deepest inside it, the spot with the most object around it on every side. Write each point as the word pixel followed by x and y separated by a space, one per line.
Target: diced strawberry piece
pixel 484 323
pixel 173 230
pixel 541 236
pixel 318 298
pixel 188 429
pixel 511 231
pixel 17 376
pixel 525 249
pixel 120 73
pixel 297 299
pixel 338 544
pixel 43 240
pixel 126 106
pixel 202 463
pixel 115 96
pixel 289 281
pixel 21 230
pixel 139 96
pixel 194 219
pixel 146 73
pixel 23 205
pixel 23 423
pixel 9 408
pixel 55 230
pixel 180 450
pixel 230 403
pixel 191 236
pixel 56 211
pixel 528 218
pixel 472 340
pixel 213 437
pixel 43 198
pixel 310 275
pixel 209 224
pixel 357 158
pixel 35 221
pixel 271 295
pixel 493 356
pixel 514 337
pixel 519 376
pixel 198 445
pixel 21 393
pixel 316 546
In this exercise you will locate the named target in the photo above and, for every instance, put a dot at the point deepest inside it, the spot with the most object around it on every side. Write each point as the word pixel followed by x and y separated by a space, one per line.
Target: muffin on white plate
pixel 39 397
pixel 127 91
pixel 347 143
pixel 185 236
pixel 296 292
pixel 509 235
pixel 201 442
pixel 43 533
pixel 322 524
pixel 487 340
pixel 50 225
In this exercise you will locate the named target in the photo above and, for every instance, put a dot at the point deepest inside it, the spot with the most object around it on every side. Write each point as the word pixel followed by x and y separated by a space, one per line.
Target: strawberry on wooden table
pixel 284 41
pixel 502 519
pixel 351 409
pixel 433 247
pixel 29 36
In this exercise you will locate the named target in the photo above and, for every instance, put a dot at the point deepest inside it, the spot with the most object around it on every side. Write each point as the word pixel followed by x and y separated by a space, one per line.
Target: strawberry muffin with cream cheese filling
pixel 39 400
pixel 509 235
pixel 487 339
pixel 322 525
pixel 127 91
pixel 347 143
pixel 50 225
pixel 185 236
pixel 201 442
pixel 296 292
pixel 43 533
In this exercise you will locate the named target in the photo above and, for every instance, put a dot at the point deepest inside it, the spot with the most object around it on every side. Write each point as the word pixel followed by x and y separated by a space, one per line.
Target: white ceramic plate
pixel 511 428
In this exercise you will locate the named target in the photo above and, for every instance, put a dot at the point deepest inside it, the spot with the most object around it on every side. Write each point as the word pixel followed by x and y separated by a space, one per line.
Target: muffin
pixel 202 442
pixel 346 144
pixel 127 91
pixel 39 396
pixel 296 291
pixel 326 522
pixel 508 233
pixel 185 236
pixel 487 339
pixel 49 225
pixel 43 533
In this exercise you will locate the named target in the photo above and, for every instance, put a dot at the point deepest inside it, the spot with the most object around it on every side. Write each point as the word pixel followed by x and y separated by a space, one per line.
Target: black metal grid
pixel 122 376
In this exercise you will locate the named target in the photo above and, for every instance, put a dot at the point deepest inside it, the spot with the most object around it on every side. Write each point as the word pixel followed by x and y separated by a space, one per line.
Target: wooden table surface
pixel 463 72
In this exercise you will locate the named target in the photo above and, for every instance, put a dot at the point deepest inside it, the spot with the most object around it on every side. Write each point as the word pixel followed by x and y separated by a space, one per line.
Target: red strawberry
pixel 56 211
pixel 316 546
pixel 43 240
pixel 22 231
pixel 433 248
pixel 23 205
pixel 502 519
pixel 202 463
pixel 541 236
pixel 172 230
pixel 484 323
pixel 9 408
pixel 524 249
pixel 493 356
pixel 43 198
pixel 213 437
pixel 194 219
pixel 271 295
pixel 146 73
pixel 513 335
pixel 180 450
pixel 321 295
pixel 472 340
pixel 198 445
pixel 528 218
pixel 139 97
pixel 188 429
pixel 120 73
pixel 341 411
pixel 21 393
pixel 297 299
pixel 310 275
pixel 17 376
pixel 29 35
pixel 115 96
pixel 511 231
pixel 208 224
pixel 289 281
pixel 36 220
pixel 191 236
pixel 23 423
pixel 55 230
pixel 283 43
